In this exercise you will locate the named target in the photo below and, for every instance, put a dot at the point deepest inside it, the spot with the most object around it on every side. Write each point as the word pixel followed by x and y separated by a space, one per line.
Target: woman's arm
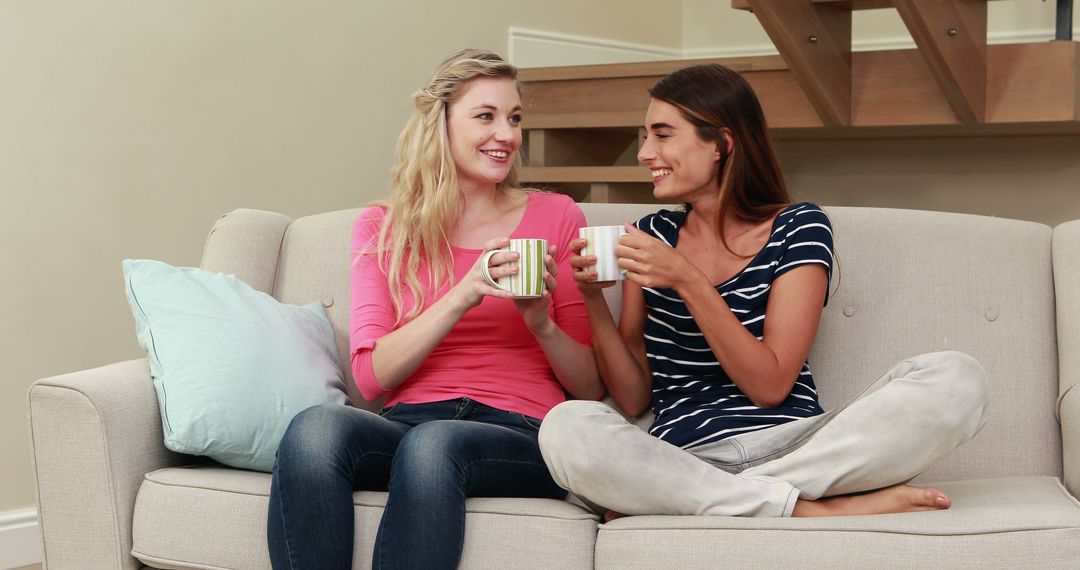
pixel 559 321
pixel 619 350
pixel 382 356
pixel 764 370
pixel 398 354
pixel 572 362
pixel 626 368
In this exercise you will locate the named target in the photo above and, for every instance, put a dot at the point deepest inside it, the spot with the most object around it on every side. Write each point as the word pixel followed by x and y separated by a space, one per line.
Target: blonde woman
pixel 468 372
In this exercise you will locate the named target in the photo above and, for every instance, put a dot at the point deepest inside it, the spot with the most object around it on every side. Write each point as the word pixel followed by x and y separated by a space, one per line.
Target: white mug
pixel 602 241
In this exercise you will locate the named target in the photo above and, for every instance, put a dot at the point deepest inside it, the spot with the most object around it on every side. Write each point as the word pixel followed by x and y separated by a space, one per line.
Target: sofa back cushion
pixel 911 282
pixel 906 282
pixel 314 266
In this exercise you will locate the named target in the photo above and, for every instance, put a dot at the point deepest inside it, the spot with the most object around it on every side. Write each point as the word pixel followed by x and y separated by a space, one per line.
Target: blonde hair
pixel 425 202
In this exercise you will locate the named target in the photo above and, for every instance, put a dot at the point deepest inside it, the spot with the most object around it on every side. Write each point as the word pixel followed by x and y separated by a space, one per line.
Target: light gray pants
pixel 906 421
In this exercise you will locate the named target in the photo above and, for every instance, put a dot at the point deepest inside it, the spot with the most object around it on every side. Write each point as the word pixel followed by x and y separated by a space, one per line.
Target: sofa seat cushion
pixel 215 517
pixel 1017 522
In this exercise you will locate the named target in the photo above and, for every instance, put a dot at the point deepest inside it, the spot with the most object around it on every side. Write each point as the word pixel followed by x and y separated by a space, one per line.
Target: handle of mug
pixel 484 265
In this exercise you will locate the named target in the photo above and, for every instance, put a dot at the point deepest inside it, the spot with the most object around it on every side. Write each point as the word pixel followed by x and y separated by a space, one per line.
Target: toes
pixel 922 498
pixel 935 498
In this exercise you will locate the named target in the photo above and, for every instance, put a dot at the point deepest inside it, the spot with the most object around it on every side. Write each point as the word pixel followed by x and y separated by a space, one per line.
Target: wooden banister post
pixel 815 42
pixel 951 35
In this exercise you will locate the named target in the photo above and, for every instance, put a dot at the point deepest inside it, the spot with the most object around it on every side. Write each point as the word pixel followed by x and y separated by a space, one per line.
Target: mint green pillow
pixel 231 365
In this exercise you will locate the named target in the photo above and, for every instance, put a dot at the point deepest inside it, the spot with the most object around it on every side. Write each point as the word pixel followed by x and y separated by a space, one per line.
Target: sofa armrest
pixel 1066 259
pixel 94 434
pixel 1069 412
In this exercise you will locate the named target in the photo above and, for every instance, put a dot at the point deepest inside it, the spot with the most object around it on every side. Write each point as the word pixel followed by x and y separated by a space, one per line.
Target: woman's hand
pixel 534 311
pixel 650 262
pixel 585 270
pixel 472 288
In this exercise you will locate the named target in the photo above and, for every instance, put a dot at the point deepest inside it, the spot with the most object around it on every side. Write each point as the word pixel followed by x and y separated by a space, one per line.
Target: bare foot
pixel 896 499
pixel 612 515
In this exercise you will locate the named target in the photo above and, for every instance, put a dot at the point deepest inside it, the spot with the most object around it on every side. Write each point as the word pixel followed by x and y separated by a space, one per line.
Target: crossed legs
pixel 914 415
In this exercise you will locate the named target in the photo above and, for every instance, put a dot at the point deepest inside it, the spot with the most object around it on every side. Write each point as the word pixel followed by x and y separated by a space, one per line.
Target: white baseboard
pixel 538 48
pixel 20 539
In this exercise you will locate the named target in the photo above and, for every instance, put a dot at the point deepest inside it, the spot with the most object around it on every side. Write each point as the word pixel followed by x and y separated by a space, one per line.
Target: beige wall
pixel 127 128
pixel 1029 178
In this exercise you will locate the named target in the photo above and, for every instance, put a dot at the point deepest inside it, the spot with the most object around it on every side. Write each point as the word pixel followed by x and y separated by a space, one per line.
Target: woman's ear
pixel 728 142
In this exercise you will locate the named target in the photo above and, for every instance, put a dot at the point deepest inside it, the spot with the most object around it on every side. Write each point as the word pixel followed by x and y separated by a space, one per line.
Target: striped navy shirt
pixel 694 400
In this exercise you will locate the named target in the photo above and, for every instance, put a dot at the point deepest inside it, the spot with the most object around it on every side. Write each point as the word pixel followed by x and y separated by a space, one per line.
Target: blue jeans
pixel 430 457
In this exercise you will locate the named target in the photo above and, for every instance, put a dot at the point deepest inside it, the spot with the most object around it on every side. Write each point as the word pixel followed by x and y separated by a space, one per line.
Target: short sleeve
pixel 662 225
pixel 808 241
pixel 644 222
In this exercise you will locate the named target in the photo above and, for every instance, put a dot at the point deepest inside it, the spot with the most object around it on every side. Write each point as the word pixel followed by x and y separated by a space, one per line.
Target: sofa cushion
pixel 246 243
pixel 221 513
pixel 1017 522
pixel 314 264
pixel 231 365
pixel 1066 256
pixel 909 282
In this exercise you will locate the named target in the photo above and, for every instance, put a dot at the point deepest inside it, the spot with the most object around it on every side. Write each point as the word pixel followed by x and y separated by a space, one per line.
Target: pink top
pixel 489 356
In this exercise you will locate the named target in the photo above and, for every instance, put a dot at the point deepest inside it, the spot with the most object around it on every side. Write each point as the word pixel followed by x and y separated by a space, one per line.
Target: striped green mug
pixel 528 282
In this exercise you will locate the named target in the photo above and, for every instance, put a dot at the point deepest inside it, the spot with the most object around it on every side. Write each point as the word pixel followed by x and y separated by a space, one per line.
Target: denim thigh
pixel 454 450
pixel 464 409
pixel 499 450
pixel 335 437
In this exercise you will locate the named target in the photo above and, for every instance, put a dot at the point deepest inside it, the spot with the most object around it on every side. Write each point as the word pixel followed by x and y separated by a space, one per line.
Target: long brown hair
pixel 716 100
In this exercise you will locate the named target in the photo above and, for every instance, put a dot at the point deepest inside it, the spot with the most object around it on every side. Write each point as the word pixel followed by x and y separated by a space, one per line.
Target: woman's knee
pixel 569 435
pixel 961 385
pixel 570 424
pixel 316 435
pixel 433 450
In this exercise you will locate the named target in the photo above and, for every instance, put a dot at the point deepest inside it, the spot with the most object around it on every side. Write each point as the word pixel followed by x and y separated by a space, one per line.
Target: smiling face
pixel 484 128
pixel 685 167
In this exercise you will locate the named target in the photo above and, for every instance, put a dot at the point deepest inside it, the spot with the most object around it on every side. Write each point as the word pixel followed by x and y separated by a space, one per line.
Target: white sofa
pixel 1005 291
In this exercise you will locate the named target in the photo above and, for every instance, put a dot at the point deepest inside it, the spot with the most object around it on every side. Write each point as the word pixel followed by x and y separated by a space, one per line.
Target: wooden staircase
pixel 582 122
